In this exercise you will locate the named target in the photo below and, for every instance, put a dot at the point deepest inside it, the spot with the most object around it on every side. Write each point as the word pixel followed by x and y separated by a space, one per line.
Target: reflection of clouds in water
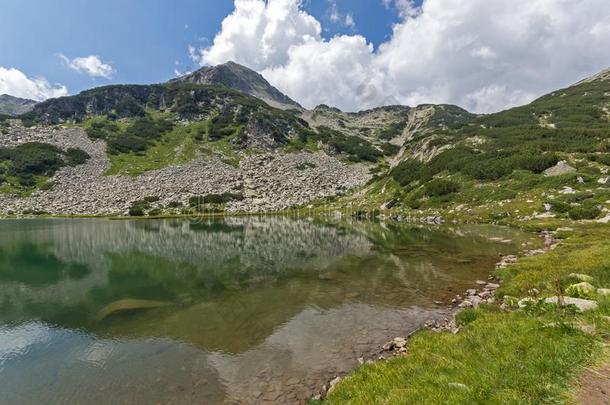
pixel 16 341
pixel 70 366
pixel 62 366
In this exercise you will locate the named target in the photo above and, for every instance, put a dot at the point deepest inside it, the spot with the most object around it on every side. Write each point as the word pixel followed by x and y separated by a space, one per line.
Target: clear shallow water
pixel 241 310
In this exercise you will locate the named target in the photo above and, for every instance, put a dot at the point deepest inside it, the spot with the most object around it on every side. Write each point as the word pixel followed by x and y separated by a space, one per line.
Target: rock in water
pixel 129 304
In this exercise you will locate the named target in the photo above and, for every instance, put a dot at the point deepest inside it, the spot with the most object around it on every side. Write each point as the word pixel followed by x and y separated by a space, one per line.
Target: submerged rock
pixel 129 304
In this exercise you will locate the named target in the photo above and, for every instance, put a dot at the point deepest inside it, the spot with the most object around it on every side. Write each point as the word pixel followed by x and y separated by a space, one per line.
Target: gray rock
pixel 581 304
pixel 400 342
pixel 559 169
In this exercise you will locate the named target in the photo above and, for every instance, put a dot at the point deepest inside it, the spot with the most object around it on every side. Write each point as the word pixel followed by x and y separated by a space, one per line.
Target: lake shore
pixel 497 352
pixel 512 329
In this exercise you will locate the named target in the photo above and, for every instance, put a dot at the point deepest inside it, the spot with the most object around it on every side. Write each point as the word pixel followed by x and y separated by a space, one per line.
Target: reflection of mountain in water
pixel 265 244
pixel 217 254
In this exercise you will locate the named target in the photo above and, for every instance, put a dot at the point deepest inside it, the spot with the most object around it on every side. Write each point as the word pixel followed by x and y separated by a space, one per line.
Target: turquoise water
pixel 239 310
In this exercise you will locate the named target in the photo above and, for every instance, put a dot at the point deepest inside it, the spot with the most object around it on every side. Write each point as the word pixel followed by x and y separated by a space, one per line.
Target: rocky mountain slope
pixel 549 158
pixel 253 156
pixel 10 105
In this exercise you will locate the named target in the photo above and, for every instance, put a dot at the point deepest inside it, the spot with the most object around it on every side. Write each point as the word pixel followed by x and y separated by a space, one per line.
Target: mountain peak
pixel 12 105
pixel 239 77
pixel 601 76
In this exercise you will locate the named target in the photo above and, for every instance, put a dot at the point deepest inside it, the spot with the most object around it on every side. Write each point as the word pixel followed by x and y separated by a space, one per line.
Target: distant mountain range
pixel 10 105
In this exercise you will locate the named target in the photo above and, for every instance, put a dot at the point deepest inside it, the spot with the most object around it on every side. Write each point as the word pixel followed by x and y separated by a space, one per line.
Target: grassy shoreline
pixel 530 355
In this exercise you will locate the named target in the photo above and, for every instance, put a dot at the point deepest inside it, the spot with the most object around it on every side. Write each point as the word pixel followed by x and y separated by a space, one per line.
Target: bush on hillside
pixel 408 171
pixel 441 187
pixel 76 156
pixel 585 211
pixel 33 158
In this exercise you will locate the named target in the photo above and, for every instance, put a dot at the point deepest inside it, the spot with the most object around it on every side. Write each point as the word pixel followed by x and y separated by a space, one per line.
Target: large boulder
pixel 580 277
pixel 560 168
pixel 603 291
pixel 582 290
pixel 581 304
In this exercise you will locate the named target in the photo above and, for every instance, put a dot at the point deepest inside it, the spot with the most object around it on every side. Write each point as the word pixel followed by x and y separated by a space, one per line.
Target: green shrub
pixel 136 211
pixel 603 159
pixel 441 187
pixel 33 158
pixel 584 212
pixel 26 180
pixel 223 198
pixel 389 149
pixel 560 207
pixel 536 163
pixel 136 137
pixel 126 144
pixel 465 316
pixel 409 171
pixel 138 208
pixel 392 131
pixel 76 156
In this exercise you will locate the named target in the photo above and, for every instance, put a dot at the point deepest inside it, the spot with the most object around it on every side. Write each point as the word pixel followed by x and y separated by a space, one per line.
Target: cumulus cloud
pixel 484 55
pixel 17 84
pixel 259 34
pixel 91 65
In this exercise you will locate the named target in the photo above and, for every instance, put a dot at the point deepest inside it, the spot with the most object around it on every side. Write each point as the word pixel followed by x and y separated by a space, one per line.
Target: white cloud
pixel 17 84
pixel 91 65
pixel 484 55
pixel 259 34
pixel 349 21
pixel 336 17
pixel 405 8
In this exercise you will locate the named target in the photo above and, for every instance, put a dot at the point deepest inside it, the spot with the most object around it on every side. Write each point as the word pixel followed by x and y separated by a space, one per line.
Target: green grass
pixel 520 357
pixel 585 250
pixel 181 145
pixel 498 358
pixel 176 147
pixel 223 148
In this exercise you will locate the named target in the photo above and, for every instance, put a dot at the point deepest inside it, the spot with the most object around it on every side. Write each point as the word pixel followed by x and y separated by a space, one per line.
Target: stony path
pixel 594 386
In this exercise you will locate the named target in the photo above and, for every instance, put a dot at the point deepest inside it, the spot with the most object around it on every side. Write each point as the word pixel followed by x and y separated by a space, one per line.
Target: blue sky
pixel 141 39
pixel 483 55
